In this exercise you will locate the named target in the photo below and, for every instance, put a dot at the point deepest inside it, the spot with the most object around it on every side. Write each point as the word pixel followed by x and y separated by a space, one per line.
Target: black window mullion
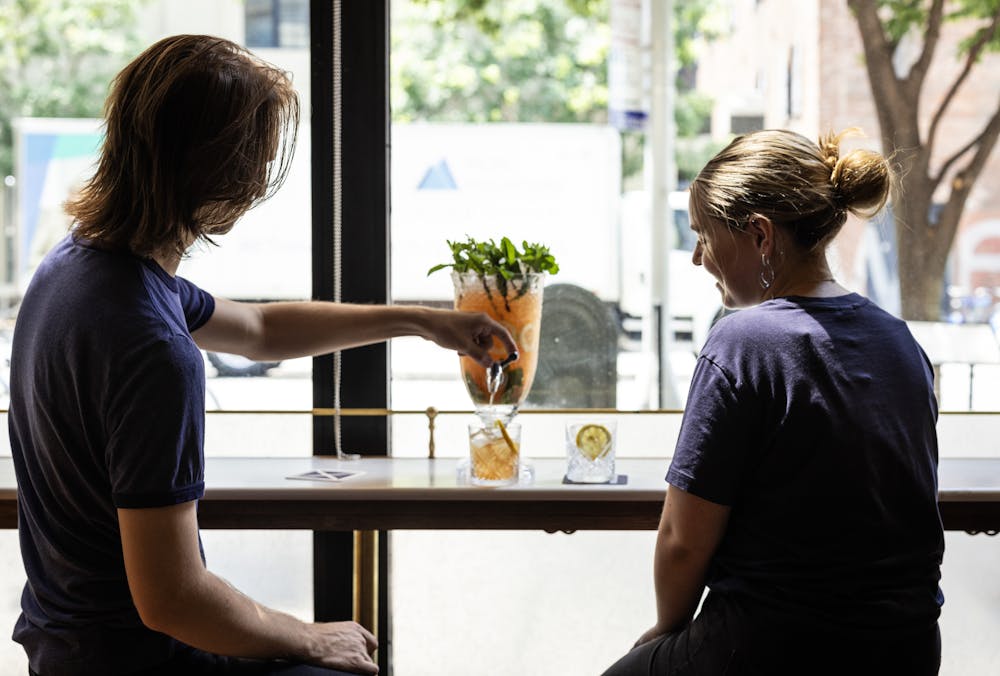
pixel 365 204
pixel 364 378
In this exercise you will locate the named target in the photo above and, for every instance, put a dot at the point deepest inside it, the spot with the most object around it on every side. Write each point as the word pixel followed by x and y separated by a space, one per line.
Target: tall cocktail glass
pixel 517 304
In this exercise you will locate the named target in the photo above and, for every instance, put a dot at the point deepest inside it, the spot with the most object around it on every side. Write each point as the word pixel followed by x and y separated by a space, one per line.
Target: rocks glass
pixel 590 452
pixel 494 453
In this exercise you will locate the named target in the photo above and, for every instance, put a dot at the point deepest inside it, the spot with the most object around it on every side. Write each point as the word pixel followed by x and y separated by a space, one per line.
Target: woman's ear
pixel 761 228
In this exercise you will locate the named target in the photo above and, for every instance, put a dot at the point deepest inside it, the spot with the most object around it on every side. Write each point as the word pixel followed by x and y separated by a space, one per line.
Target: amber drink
pixel 517 304
pixel 494 452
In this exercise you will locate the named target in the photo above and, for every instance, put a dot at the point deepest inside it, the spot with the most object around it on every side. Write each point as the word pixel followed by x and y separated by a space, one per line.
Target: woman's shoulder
pixel 777 326
pixel 742 340
pixel 787 314
pixel 739 325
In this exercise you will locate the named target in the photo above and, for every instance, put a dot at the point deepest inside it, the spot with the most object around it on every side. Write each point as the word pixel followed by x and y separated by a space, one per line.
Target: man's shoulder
pixel 87 301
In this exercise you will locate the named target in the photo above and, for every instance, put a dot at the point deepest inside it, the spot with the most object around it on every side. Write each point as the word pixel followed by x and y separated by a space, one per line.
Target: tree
pixel 924 235
pixel 530 61
pixel 520 60
pixel 57 57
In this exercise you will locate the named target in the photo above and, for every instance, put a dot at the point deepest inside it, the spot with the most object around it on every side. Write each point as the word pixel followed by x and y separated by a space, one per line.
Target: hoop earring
pixel 766 273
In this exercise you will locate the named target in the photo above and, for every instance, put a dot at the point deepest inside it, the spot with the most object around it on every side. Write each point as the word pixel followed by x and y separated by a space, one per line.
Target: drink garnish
pixel 506 436
pixel 593 440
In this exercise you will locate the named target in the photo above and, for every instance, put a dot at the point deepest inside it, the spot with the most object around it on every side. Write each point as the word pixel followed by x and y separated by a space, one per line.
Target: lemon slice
pixel 506 437
pixel 593 440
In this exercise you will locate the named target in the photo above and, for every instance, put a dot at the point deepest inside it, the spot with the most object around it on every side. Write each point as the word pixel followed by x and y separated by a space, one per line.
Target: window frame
pixel 350 108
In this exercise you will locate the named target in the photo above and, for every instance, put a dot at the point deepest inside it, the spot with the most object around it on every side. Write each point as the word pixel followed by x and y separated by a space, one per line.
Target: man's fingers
pixel 370 641
pixel 482 358
pixel 368 667
pixel 362 663
pixel 505 338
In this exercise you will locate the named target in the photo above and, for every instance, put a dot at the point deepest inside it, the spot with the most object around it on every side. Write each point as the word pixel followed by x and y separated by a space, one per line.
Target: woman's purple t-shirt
pixel 814 420
pixel 107 411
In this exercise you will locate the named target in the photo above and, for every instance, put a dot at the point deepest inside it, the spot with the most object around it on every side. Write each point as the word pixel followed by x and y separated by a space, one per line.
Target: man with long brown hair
pixel 108 386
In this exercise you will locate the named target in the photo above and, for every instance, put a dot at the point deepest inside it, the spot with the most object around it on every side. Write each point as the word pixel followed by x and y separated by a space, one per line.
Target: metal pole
pixel 664 179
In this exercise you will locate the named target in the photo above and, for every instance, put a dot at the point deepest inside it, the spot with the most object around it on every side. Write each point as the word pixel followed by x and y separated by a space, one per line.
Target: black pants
pixel 728 639
pixel 194 662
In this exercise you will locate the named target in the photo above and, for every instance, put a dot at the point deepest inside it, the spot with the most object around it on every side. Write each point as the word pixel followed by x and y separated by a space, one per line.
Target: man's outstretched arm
pixel 276 331
pixel 176 595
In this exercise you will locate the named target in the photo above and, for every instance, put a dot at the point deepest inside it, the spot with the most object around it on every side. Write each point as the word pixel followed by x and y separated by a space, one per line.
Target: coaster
pixel 618 480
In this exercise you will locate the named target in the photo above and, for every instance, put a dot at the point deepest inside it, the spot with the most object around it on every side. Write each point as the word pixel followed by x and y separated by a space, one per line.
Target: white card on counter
pixel 335 475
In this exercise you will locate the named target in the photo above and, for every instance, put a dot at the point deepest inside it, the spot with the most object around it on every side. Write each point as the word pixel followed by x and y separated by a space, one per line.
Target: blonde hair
pixel 805 187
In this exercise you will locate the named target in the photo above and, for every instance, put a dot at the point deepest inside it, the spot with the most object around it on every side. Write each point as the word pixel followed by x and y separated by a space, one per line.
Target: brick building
pixel 798 64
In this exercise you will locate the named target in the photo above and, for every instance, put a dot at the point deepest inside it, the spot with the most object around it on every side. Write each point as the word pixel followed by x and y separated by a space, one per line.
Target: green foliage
pixel 517 60
pixel 694 153
pixel 984 11
pixel 57 58
pixel 693 110
pixel 521 60
pixel 530 61
pixel 694 21
pixel 505 262
pixel 900 17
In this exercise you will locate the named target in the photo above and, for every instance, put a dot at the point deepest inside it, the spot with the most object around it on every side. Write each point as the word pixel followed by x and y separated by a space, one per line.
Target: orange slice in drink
pixel 593 440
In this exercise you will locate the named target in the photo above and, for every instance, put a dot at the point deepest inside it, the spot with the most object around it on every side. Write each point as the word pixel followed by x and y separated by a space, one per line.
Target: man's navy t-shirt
pixel 107 411
pixel 814 419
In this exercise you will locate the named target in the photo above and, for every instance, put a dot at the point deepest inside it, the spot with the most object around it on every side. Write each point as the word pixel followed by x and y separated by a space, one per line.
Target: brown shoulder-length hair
pixel 197 131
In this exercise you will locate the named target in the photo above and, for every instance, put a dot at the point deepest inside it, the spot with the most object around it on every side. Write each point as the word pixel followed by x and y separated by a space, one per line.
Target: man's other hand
pixel 343 645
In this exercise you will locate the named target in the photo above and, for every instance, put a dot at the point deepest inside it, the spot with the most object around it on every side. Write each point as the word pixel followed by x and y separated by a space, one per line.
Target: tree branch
pixel 974 51
pixel 964 179
pixel 915 78
pixel 895 111
pixel 876 43
pixel 986 139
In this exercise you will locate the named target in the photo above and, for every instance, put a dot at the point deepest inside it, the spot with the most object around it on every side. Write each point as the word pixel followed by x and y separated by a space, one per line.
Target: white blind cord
pixel 337 213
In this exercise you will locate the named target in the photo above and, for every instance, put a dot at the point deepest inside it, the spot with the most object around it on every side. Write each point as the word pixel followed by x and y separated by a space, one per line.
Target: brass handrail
pixel 349 412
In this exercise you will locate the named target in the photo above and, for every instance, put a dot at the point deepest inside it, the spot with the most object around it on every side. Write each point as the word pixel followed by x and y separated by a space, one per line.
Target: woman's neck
pixel 810 278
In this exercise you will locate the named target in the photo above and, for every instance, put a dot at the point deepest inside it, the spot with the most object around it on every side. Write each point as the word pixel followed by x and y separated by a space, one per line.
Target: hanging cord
pixel 337 213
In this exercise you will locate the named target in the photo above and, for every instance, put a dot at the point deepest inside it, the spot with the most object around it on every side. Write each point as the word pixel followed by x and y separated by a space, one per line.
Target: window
pixel 744 124
pixel 475 151
pixel 277 23
pixel 794 83
pixel 500 129
pixel 266 257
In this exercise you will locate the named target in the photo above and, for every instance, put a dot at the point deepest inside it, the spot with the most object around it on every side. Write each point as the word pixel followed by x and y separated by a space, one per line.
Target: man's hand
pixel 470 334
pixel 343 645
pixel 177 596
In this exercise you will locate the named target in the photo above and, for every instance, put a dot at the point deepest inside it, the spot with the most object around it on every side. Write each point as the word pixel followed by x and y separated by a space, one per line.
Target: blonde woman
pixel 803 489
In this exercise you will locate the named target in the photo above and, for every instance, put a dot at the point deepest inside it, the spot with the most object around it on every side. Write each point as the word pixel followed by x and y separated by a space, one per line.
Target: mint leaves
pixel 488 259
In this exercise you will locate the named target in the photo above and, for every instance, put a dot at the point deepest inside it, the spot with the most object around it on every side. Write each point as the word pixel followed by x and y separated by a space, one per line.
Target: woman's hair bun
pixel 805 186
pixel 861 179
